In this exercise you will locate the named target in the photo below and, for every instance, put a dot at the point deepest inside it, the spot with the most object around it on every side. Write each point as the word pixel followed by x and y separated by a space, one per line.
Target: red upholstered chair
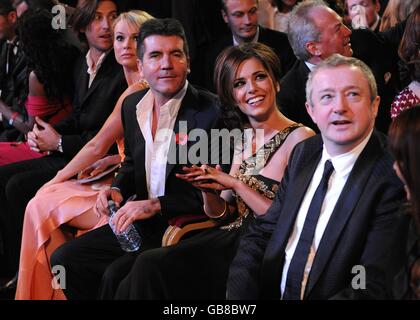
pixel 181 225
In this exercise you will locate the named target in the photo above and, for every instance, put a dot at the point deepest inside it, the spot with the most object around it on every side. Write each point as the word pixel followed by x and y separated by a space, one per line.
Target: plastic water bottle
pixel 129 239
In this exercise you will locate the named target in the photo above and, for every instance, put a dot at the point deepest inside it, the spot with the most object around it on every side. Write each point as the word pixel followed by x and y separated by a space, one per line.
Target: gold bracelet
pixel 220 215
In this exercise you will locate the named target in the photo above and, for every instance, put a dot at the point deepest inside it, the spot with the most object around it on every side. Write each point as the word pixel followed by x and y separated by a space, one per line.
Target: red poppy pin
pixel 181 138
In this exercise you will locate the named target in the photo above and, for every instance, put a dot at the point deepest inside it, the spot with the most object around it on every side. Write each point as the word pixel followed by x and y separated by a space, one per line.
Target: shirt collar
pixel 174 103
pixel 375 25
pixel 91 64
pixel 343 163
pixel 311 66
pixel 257 35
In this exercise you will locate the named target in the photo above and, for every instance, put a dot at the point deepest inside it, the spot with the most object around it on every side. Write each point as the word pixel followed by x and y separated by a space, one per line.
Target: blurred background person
pixel 409 52
pixel 404 136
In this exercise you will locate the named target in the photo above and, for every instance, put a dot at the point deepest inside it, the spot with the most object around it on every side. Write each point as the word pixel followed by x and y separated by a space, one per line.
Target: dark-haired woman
pixel 50 64
pixel 409 52
pixel 404 136
pixel 247 80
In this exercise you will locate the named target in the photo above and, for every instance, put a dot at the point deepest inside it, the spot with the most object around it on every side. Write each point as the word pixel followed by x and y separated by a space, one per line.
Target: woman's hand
pixel 207 178
pixel 99 166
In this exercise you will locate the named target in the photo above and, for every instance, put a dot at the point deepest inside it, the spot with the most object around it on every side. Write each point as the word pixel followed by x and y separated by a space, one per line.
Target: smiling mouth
pixel 255 100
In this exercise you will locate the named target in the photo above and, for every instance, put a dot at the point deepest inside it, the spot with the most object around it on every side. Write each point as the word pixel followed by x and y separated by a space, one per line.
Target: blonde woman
pixel 64 204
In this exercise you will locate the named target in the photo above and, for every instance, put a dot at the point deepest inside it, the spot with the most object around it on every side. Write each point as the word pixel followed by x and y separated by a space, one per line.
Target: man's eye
pixel 353 94
pixel 326 97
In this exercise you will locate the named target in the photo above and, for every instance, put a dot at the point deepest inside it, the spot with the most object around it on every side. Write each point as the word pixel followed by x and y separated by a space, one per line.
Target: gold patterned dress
pixel 198 267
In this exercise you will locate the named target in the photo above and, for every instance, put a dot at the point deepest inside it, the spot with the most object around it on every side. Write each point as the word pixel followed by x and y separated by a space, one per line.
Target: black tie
pixel 300 257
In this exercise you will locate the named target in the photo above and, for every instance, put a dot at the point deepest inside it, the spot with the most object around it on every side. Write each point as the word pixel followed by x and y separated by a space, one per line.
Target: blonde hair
pixel 134 17
pixel 397 11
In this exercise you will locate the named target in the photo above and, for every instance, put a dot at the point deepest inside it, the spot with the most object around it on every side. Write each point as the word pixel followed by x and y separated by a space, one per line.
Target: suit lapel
pixel 99 78
pixel 274 256
pixel 141 154
pixel 186 115
pixel 349 198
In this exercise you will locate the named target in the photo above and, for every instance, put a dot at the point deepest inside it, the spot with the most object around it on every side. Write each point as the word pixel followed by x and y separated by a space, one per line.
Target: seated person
pixel 98 82
pixel 13 71
pixel 404 135
pixel 63 203
pixel 171 106
pixel 336 205
pixel 247 80
pixel 50 89
pixel 410 54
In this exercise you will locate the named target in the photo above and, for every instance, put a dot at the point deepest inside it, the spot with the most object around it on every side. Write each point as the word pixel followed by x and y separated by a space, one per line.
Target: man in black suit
pixel 241 17
pixel 316 32
pixel 13 73
pixel 99 81
pixel 328 232
pixel 95 262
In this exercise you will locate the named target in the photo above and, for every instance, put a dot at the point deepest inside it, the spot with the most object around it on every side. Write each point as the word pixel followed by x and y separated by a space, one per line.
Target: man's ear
pixel 224 15
pixel 310 111
pixel 140 68
pixel 377 5
pixel 313 48
pixel 12 17
pixel 375 105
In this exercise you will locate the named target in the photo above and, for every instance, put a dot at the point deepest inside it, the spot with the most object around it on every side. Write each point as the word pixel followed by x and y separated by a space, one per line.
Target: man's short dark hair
pixel 161 27
pixel 6 6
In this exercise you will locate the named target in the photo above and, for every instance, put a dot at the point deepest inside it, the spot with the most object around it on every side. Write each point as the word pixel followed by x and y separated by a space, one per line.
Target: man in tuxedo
pixel 95 262
pixel 13 73
pixel 241 16
pixel 99 81
pixel 316 32
pixel 328 232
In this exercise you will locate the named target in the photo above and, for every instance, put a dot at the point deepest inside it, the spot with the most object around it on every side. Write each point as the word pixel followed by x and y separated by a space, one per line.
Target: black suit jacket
pixel 291 98
pixel 93 105
pixel 199 109
pixel 377 50
pixel 358 232
pixel 13 89
pixel 203 69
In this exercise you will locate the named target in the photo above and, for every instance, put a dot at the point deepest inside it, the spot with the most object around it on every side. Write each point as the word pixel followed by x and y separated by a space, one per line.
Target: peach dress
pixel 48 210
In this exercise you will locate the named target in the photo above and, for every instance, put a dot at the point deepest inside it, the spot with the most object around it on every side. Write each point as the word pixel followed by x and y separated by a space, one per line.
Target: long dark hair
pixel 404 137
pixel 227 64
pixel 48 53
pixel 410 44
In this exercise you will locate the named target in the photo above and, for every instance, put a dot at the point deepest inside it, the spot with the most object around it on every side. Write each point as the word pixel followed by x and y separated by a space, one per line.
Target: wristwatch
pixel 13 118
pixel 60 145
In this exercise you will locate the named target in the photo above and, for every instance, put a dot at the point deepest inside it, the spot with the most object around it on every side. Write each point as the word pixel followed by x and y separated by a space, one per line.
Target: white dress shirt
pixel 156 155
pixel 92 67
pixel 343 164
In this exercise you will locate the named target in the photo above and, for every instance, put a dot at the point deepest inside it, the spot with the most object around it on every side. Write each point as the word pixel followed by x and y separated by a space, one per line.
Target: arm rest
pixel 181 225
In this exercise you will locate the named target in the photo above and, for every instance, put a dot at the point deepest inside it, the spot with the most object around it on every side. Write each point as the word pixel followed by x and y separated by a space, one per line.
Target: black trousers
pixel 95 264
pixel 19 182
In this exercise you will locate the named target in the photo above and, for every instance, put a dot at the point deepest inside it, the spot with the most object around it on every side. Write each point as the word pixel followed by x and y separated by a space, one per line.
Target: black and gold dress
pixel 198 267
